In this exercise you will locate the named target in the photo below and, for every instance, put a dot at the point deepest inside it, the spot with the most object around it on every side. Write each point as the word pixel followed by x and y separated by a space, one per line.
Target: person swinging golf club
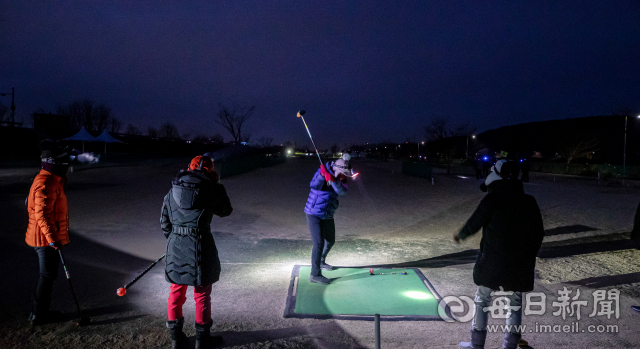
pixel 191 257
pixel 329 182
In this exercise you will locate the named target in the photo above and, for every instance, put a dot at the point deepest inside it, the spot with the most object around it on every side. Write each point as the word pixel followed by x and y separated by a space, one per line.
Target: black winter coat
pixel 511 237
pixel 192 256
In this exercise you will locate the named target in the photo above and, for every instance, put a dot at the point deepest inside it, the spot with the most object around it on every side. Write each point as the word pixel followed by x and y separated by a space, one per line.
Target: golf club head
pixel 301 112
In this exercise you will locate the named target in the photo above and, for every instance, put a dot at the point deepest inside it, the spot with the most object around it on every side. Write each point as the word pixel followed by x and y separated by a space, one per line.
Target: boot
pixel 204 339
pixel 178 338
pixel 511 340
pixel 42 315
pixel 477 340
pixel 319 280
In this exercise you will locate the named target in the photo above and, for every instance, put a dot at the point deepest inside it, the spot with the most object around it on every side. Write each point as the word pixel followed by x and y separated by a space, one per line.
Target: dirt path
pixel 386 218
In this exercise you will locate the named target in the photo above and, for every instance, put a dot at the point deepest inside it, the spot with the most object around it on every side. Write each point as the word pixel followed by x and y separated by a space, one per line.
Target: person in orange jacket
pixel 48 228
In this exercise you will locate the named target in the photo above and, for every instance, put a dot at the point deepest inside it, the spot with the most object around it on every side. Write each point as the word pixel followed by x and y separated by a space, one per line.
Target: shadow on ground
pixel 319 332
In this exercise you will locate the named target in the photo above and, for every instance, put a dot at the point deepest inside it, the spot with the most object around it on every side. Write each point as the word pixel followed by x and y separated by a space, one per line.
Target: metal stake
pixel 377 316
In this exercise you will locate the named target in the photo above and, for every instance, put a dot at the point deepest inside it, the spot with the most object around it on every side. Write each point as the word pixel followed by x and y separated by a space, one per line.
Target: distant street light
pixel 467 154
pixel 13 106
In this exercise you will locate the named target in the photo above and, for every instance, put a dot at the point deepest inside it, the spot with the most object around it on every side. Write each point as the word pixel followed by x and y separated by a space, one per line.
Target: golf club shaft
pixel 314 145
pixel 66 272
pixel 144 272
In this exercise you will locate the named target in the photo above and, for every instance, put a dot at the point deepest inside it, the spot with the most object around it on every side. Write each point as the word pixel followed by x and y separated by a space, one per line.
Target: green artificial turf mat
pixel 353 291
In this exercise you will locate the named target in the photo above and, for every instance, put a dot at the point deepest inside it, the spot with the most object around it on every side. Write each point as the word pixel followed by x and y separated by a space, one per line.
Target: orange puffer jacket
pixel 48 212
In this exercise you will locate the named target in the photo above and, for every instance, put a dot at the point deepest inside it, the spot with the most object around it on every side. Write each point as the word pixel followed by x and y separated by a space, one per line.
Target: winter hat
pixel 201 160
pixel 52 153
pixel 341 167
pixel 495 172
pixel 510 170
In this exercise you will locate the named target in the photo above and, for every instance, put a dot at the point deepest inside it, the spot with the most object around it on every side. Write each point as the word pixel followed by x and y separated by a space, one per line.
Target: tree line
pixel 96 117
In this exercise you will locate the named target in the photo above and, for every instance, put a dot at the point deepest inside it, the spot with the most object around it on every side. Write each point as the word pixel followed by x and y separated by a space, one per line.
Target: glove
pixel 56 245
pixel 327 176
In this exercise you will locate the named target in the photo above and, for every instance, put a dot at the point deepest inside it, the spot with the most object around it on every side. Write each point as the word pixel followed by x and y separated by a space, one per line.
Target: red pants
pixel 202 297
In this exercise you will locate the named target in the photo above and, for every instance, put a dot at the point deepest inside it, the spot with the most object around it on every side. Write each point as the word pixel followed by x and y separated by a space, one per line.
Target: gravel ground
pixel 385 219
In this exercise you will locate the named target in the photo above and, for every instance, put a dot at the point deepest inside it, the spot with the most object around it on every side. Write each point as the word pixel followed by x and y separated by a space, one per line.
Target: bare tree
pixel 578 145
pixel 186 136
pixel 115 125
pixel 446 137
pixel 233 118
pixel 334 148
pixel 3 111
pixel 200 139
pixel 86 113
pixel 217 138
pixel 152 132
pixel 132 130
pixel 265 142
pixel 168 131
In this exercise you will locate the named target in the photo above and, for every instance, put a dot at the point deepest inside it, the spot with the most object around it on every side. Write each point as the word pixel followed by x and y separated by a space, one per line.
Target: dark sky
pixel 365 71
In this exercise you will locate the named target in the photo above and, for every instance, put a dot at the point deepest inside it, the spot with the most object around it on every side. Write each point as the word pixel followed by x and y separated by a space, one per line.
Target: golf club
pixel 81 321
pixel 300 113
pixel 123 290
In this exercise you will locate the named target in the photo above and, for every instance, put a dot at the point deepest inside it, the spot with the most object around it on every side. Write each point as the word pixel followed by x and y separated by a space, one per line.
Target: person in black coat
pixel 191 256
pixel 512 234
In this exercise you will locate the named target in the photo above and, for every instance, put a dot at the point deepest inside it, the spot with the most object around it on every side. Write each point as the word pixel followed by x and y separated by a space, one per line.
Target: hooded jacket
pixel 48 211
pixel 323 198
pixel 192 256
pixel 512 233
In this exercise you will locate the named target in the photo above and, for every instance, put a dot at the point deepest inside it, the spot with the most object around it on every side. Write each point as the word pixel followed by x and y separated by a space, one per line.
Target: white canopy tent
pixel 83 135
pixel 106 137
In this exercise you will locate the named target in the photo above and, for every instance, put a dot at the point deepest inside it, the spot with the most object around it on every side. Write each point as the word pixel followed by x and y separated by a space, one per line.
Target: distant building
pixel 55 126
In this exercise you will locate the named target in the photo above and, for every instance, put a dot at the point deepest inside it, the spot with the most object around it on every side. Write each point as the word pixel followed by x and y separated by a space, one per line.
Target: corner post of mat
pixel 377 317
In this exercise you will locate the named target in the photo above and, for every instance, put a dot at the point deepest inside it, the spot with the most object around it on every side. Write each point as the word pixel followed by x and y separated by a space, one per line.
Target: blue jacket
pixel 323 198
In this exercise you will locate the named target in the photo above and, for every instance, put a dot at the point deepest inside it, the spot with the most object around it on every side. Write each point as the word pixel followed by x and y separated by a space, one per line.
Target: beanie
pixel 207 164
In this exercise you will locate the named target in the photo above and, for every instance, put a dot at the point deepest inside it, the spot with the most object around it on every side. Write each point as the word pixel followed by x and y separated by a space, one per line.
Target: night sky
pixel 365 71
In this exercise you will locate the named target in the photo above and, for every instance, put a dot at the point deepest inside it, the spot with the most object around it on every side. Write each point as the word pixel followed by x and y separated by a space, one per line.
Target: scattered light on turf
pixel 418 295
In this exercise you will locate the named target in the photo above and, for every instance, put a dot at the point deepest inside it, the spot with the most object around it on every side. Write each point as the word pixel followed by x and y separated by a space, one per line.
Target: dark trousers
pixel 323 236
pixel 525 176
pixel 478 173
pixel 48 260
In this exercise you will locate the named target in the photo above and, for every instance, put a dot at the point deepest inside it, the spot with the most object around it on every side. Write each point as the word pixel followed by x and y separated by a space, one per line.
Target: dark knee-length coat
pixel 192 256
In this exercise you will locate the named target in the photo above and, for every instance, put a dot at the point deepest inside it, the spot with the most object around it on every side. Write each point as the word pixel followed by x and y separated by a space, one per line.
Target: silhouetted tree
pixel 233 118
pixel 152 132
pixel 265 142
pixel 578 145
pixel 200 139
pixel 132 130
pixel 90 115
pixel 446 138
pixel 168 131
pixel 217 138
pixel 3 111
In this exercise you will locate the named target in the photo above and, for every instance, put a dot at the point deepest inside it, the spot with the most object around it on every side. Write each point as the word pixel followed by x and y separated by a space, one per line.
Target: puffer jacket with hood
pixel 323 198
pixel 48 211
pixel 192 256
